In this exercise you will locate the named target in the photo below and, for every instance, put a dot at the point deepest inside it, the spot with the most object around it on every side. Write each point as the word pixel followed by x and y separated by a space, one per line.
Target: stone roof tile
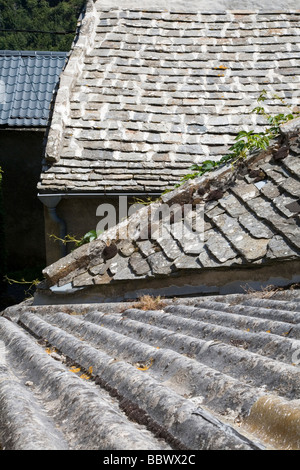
pixel 246 221
pixel 166 87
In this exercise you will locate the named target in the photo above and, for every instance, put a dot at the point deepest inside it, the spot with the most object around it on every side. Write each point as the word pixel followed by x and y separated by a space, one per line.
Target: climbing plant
pixel 30 285
pixel 246 141
pixel 86 238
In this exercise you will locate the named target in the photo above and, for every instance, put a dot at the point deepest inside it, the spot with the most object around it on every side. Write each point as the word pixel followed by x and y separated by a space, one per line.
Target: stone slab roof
pixel 212 373
pixel 249 218
pixel 149 91
pixel 27 83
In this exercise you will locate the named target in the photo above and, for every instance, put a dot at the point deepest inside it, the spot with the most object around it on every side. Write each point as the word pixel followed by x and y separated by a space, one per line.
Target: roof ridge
pixel 198 5
pixel 247 221
pixel 204 12
pixel 5 52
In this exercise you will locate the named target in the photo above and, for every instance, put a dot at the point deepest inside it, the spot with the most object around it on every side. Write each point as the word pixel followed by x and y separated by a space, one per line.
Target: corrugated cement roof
pixel 214 373
pixel 27 82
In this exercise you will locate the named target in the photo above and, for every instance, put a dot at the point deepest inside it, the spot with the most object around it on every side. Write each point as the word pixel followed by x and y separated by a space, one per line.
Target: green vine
pixel 31 284
pixel 88 237
pixel 245 141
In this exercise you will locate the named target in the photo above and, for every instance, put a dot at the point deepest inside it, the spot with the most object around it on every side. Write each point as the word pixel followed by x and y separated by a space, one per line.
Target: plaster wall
pixel 79 214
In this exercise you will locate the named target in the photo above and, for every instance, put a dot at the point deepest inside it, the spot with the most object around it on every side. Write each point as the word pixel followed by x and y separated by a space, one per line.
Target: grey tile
pixel 29 79
pixel 189 80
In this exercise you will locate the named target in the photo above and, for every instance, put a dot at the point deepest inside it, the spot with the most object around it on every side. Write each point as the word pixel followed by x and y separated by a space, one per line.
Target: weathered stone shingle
pixel 226 218
pixel 167 88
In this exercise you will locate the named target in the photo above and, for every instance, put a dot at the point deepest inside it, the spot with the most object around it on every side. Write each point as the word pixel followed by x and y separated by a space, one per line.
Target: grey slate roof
pixel 250 220
pixel 27 82
pixel 147 92
pixel 214 373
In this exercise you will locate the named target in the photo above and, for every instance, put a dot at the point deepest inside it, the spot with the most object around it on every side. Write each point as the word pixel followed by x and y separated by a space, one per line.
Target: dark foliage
pixel 38 15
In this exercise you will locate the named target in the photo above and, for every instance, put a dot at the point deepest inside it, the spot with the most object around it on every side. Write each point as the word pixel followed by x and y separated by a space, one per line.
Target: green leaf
pixel 262 96
pixel 246 141
pixel 243 134
pixel 258 110
pixel 195 167
pixel 91 235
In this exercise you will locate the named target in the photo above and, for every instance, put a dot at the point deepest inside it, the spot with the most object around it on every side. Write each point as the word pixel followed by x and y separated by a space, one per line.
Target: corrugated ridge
pixel 244 322
pixel 198 378
pixel 183 377
pixel 26 424
pixel 259 310
pixel 190 338
pixel 174 413
pixel 81 405
pixel 275 304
